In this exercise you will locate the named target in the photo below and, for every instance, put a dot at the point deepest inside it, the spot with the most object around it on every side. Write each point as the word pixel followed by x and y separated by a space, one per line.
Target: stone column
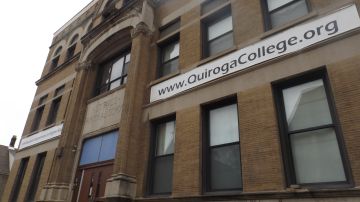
pixel 122 185
pixel 59 183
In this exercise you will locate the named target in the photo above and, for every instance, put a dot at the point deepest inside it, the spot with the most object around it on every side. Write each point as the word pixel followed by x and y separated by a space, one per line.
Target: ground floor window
pixel 222 166
pixel 162 157
pixel 311 140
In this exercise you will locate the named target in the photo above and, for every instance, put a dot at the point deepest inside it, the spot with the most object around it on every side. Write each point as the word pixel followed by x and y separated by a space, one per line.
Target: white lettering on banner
pixel 41 136
pixel 286 42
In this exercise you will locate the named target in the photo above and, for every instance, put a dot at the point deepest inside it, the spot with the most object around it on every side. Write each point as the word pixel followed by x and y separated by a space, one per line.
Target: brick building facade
pixel 195 100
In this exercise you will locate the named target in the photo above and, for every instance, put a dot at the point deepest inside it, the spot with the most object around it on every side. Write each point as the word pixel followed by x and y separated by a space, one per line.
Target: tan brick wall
pixel 61 113
pixel 247 20
pixel 143 160
pixel 345 82
pixel 187 156
pixel 10 181
pixel 259 141
pixel 58 77
pixel 190 38
pixel 168 8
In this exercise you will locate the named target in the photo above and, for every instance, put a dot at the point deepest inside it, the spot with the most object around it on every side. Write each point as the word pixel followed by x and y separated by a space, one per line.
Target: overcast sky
pixel 27 28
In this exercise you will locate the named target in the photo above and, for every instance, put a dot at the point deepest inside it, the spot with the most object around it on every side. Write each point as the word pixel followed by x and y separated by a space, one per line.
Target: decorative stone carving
pixel 109 8
pixel 140 28
pixel 83 66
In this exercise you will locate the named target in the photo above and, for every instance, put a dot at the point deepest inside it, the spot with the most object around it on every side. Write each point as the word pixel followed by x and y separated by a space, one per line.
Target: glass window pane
pixel 306 105
pixel 117 68
pixel 274 4
pixel 126 67
pixel 220 44
pixel 289 13
pixel 163 170
pixel 220 27
pixel 90 151
pixel 171 51
pixel 165 138
pixel 224 125
pixel 115 84
pixel 127 58
pixel 317 157
pixel 108 146
pixel 170 67
pixel 226 168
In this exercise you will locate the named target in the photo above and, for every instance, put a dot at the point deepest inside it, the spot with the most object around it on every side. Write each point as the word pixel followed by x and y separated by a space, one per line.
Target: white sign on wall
pixel 286 42
pixel 41 136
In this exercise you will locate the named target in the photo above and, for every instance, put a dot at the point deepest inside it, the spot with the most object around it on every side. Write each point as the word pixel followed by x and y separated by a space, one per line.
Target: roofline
pixel 87 7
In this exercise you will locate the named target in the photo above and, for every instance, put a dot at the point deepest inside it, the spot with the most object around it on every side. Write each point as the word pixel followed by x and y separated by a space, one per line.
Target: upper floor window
pixel 55 58
pixel 38 113
pixel 113 73
pixel 72 47
pixel 162 157
pixel 169 60
pixel 309 132
pixel 218 32
pixel 279 12
pixel 55 106
pixel 169 48
pixel 222 149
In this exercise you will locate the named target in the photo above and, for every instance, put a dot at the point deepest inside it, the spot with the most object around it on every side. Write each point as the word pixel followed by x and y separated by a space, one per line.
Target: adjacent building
pixel 197 100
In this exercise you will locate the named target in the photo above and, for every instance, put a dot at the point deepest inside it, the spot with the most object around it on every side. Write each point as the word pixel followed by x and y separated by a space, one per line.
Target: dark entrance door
pixel 95 167
pixel 92 182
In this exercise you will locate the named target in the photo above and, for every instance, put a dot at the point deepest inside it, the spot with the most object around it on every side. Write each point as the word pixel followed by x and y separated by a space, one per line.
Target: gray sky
pixel 27 29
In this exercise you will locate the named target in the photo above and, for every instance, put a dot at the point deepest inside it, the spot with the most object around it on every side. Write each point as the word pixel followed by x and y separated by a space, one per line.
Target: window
pixel 39 113
pixel 169 58
pixel 113 73
pixel 55 105
pixel 162 157
pixel 222 149
pixel 55 59
pixel 218 32
pixel 53 111
pixel 309 133
pixel 42 100
pixel 19 179
pixel 35 178
pixel 72 47
pixel 59 91
pixel 99 148
pixel 169 49
pixel 279 12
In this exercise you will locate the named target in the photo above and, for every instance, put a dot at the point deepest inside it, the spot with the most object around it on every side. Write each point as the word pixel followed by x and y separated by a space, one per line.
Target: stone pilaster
pixel 122 185
pixel 59 184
